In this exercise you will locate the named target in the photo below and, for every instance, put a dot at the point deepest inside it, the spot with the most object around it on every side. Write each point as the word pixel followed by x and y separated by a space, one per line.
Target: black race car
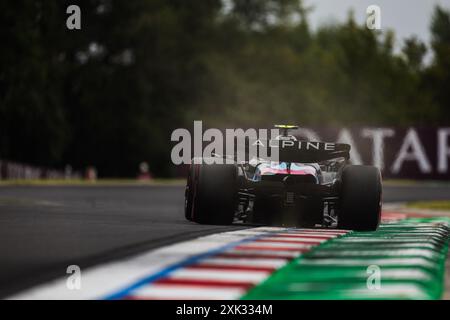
pixel 312 185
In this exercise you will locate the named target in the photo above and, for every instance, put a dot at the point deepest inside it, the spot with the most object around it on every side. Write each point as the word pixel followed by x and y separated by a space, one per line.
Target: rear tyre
pixel 211 195
pixel 360 203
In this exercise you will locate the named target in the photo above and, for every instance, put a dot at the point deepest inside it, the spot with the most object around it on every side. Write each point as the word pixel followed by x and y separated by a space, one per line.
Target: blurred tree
pixel 32 116
pixel 110 94
pixel 145 68
pixel 260 14
pixel 415 51
pixel 437 77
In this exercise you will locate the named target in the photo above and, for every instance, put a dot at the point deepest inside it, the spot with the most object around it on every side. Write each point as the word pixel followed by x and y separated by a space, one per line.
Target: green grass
pixel 99 182
pixel 408 182
pixel 432 205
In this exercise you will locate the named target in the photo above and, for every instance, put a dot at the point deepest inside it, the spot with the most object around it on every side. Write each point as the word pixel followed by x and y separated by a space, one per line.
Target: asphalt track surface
pixel 45 229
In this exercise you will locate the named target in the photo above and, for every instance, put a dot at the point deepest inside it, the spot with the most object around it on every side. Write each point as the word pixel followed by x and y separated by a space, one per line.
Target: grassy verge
pixel 406 182
pixel 431 205
pixel 100 182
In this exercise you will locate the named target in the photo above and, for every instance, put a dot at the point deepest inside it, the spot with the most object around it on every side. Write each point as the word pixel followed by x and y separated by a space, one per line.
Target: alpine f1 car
pixel 312 185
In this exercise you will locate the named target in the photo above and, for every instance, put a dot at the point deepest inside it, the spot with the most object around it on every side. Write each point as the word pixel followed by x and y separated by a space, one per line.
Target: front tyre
pixel 360 200
pixel 211 194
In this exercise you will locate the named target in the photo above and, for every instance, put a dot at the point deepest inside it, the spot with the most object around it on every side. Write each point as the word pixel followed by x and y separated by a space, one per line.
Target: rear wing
pixel 307 151
pixel 295 151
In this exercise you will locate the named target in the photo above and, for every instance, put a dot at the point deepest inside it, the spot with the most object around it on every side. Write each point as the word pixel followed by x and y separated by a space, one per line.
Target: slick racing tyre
pixel 360 198
pixel 211 195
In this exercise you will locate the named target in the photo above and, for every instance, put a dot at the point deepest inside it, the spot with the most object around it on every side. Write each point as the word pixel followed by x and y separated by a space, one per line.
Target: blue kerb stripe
pixel 164 272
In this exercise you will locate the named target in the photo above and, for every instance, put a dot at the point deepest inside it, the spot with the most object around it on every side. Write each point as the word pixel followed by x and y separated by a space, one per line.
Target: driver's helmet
pixel 285 129
pixel 289 137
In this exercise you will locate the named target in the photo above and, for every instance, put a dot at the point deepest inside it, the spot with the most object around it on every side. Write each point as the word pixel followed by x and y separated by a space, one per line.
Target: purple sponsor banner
pixel 403 153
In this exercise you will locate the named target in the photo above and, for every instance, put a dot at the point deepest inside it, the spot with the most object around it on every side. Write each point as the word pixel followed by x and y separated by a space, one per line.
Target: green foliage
pixel 437 77
pixel 110 94
pixel 414 51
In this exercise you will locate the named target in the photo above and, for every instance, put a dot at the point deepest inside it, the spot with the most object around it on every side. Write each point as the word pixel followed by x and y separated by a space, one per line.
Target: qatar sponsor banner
pixel 403 153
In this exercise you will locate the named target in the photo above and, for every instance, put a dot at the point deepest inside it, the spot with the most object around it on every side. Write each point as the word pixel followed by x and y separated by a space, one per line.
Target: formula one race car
pixel 312 185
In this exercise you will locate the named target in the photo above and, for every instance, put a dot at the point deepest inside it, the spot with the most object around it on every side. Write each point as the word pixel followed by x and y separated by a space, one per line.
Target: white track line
pixel 274 253
pixel 277 245
pixel 161 291
pixel 257 262
pixel 287 239
pixel 211 274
